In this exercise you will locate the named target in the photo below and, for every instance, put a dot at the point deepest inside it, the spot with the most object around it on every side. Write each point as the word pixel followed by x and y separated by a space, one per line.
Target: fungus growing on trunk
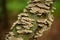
pixel 36 18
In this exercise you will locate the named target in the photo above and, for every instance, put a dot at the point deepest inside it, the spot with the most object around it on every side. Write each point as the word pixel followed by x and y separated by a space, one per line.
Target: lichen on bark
pixel 36 18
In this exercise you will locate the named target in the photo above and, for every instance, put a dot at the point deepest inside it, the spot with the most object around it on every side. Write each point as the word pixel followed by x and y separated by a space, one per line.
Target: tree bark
pixel 35 19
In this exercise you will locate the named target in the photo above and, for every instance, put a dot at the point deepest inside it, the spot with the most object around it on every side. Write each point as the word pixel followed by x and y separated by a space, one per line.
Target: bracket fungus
pixel 36 18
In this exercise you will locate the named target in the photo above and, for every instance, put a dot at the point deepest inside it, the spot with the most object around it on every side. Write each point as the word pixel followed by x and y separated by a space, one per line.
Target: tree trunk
pixel 36 18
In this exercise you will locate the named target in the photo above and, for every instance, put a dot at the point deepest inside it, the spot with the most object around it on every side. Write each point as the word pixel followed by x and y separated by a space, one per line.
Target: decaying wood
pixel 36 18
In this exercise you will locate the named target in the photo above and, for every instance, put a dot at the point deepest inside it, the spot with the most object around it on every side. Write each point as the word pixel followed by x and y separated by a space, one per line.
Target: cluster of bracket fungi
pixel 36 18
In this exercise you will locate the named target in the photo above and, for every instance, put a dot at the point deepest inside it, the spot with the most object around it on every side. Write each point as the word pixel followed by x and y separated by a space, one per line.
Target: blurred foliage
pixel 13 5
pixel 1 8
pixel 57 5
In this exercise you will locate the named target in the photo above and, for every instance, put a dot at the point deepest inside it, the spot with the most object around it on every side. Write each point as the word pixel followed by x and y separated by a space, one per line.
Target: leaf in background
pixel 16 4
pixel 57 11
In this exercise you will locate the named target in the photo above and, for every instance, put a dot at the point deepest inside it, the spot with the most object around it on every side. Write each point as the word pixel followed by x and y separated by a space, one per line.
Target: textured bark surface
pixel 36 18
